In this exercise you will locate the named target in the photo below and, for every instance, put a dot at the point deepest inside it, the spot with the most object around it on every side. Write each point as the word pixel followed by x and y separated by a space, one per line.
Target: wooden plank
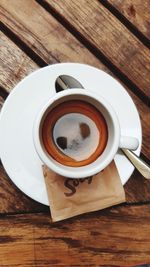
pixel 105 32
pixel 136 11
pixel 15 64
pixel 137 189
pixel 115 237
pixel 45 36
pixel 12 200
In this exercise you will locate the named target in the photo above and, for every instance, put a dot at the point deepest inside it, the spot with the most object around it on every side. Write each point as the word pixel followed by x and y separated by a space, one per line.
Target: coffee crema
pixel 74 133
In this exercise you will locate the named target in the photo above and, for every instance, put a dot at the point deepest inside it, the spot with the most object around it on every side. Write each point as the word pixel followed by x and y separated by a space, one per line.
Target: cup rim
pixel 70 171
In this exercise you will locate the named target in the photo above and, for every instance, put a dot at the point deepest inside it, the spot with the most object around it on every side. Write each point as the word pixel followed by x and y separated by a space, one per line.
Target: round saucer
pixel 17 116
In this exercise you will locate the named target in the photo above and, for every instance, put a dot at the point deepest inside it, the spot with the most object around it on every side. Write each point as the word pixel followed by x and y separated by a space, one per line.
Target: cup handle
pixel 129 142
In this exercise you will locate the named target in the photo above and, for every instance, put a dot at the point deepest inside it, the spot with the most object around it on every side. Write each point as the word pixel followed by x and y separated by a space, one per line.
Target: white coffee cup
pixel 115 139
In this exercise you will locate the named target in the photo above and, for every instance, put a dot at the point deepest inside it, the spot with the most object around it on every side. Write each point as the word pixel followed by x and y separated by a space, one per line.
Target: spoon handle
pixel 142 166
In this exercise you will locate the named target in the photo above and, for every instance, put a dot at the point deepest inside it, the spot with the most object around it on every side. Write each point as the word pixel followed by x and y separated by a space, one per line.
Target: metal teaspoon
pixel 64 82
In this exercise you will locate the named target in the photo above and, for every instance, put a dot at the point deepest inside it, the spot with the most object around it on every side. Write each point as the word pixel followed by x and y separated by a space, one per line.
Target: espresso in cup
pixel 74 133
pixel 60 146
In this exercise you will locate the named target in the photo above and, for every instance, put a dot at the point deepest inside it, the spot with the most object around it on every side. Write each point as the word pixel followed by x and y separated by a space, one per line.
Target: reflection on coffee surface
pixel 74 133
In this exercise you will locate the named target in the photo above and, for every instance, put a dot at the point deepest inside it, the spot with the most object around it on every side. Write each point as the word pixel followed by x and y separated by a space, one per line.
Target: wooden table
pixel 112 35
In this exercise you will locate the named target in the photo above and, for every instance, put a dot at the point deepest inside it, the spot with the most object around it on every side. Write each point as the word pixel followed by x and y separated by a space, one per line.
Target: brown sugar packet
pixel 70 197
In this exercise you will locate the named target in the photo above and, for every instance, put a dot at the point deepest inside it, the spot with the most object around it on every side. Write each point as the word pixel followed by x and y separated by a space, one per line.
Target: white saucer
pixel 17 151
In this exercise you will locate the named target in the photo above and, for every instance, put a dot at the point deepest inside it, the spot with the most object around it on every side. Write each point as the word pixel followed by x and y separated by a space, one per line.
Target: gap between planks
pixel 46 211
pixel 22 45
pixel 3 93
pixel 98 25
pixel 95 51
pixel 131 27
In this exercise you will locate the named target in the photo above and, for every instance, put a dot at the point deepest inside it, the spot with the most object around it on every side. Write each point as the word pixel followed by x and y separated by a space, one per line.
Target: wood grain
pixel 12 200
pixel 115 237
pixel 39 31
pixel 137 189
pixel 136 11
pixel 15 64
pixel 43 34
pixel 104 31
